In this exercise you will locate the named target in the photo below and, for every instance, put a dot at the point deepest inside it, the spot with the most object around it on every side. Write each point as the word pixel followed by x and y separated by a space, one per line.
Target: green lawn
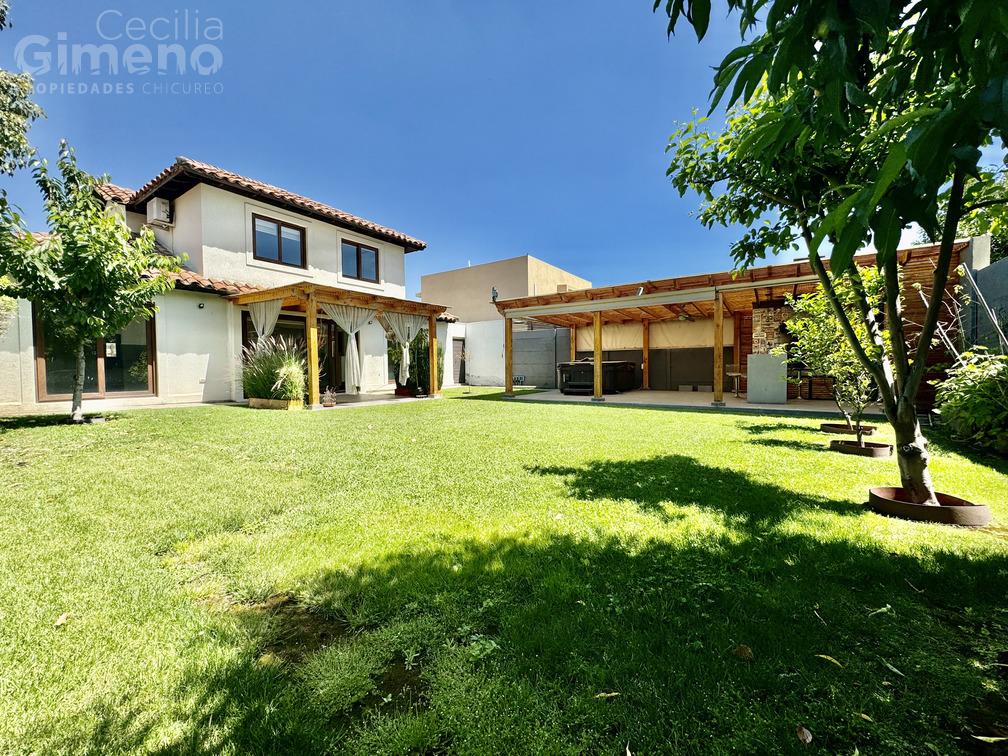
pixel 478 576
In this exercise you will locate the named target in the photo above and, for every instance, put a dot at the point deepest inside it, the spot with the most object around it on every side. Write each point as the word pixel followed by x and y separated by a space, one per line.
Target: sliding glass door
pixel 118 365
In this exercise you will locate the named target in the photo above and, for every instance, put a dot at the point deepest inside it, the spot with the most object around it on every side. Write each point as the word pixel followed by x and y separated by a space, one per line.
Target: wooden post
pixel 646 364
pixel 597 323
pixel 433 358
pixel 719 351
pixel 314 391
pixel 573 335
pixel 508 359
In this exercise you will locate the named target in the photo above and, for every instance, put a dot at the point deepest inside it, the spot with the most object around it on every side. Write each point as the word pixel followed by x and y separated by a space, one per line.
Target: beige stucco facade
pixel 466 291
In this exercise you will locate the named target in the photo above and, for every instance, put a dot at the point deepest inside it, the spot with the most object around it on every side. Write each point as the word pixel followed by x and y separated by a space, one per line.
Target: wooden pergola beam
pixel 334 295
pixel 719 351
pixel 280 292
pixel 597 383
pixel 508 358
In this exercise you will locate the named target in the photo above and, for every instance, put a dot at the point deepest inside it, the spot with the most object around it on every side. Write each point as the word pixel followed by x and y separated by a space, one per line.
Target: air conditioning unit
pixel 159 212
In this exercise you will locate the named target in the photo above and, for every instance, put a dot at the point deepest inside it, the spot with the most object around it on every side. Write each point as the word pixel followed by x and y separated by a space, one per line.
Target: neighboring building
pixel 467 291
pixel 245 241
pixel 477 340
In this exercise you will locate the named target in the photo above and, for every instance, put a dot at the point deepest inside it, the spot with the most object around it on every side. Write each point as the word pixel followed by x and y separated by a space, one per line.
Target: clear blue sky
pixel 489 128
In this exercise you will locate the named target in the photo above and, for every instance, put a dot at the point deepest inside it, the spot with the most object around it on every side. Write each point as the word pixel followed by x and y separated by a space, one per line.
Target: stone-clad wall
pixel 766 332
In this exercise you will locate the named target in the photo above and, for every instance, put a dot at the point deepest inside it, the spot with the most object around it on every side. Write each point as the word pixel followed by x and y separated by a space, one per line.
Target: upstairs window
pixel 360 261
pixel 278 242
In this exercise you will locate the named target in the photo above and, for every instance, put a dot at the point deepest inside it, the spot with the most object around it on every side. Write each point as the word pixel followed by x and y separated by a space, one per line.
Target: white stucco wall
pixel 197 348
pixel 485 353
pixel 226 222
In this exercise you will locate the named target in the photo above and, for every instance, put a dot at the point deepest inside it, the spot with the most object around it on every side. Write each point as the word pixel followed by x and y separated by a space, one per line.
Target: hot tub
pixel 579 377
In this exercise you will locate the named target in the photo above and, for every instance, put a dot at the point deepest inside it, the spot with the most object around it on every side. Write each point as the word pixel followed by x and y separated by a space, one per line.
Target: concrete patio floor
pixel 695 400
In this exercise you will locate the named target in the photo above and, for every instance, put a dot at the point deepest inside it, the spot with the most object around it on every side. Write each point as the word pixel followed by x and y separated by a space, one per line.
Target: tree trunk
pixel 860 431
pixel 77 411
pixel 840 407
pixel 912 456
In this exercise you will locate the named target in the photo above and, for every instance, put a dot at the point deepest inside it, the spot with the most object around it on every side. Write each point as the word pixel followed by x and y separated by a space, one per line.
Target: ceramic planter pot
pixel 842 429
pixel 870 449
pixel 278 404
pixel 952 510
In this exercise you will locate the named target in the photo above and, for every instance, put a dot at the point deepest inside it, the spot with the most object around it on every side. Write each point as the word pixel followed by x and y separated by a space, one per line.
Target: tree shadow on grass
pixel 655 483
pixel 758 429
pixel 496 396
pixel 549 641
pixel 588 645
pixel 22 422
pixel 780 443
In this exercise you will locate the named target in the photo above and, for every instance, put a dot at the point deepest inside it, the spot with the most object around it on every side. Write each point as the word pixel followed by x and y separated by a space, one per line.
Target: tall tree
pixel 17 112
pixel 90 275
pixel 852 121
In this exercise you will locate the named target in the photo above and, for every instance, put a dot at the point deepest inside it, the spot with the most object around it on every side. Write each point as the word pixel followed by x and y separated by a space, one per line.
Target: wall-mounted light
pixel 201 305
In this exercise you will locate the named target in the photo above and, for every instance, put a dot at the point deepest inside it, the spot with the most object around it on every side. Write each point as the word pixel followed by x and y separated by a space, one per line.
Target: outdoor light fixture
pixel 201 305
pixel 493 294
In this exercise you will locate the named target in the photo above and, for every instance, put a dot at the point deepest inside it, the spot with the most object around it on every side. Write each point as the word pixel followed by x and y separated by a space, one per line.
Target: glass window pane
pixel 291 331
pixel 61 364
pixel 126 359
pixel 350 260
pixel 266 240
pixel 369 264
pixel 291 252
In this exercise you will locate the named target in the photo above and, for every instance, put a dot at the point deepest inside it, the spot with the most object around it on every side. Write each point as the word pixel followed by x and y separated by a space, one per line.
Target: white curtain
pixel 351 319
pixel 264 316
pixel 405 328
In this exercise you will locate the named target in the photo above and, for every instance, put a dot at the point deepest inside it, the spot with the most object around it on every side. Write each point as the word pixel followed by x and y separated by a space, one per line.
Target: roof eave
pixel 177 169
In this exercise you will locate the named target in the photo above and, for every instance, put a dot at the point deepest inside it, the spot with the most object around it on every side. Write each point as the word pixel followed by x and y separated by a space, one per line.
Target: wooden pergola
pixel 699 297
pixel 307 298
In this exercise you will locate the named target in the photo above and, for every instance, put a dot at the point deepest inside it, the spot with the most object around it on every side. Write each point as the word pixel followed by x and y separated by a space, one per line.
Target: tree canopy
pixel 17 113
pixel 847 123
pixel 89 275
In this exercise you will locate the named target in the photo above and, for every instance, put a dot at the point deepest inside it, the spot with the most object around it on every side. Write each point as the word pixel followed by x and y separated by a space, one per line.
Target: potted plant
pixel 274 374
pixel 328 397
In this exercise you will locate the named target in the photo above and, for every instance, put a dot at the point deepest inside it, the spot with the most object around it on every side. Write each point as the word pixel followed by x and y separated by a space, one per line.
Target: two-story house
pixel 260 259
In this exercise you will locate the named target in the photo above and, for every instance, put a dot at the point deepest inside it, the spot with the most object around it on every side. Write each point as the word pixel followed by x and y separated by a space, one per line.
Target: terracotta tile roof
pixel 187 279
pixel 114 193
pixel 220 177
pixel 447 317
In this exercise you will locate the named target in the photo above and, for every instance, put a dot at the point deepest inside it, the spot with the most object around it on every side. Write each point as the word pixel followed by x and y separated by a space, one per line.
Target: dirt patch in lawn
pixel 399 689
pixel 296 631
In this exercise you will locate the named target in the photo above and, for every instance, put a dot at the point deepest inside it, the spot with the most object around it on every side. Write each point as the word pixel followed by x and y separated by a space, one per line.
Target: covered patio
pixel 721 318
pixel 349 310
pixel 710 339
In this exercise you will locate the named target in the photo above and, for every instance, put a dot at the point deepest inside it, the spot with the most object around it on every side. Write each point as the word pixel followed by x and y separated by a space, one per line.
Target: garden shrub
pixel 274 368
pixel 973 400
